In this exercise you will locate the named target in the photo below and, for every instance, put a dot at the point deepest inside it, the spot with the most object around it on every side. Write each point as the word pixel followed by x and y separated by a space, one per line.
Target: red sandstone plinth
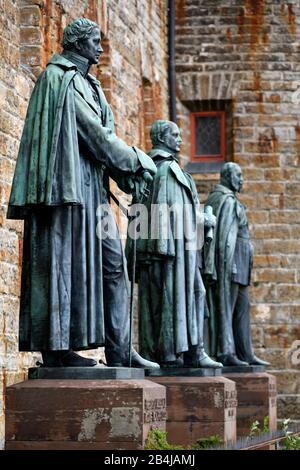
pixel 256 394
pixel 199 407
pixel 83 414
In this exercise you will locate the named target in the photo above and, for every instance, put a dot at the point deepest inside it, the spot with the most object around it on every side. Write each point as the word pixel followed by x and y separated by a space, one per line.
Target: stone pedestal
pixel 199 407
pixel 83 414
pixel 256 395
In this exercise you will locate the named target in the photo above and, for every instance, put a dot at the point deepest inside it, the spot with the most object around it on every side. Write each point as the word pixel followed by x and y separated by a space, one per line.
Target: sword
pixel 144 195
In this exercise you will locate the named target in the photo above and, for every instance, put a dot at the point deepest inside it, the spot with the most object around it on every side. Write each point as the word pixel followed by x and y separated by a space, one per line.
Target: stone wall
pixel 133 74
pixel 244 51
pixel 247 51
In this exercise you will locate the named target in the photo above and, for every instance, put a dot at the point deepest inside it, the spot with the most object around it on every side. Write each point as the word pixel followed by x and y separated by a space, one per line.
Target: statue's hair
pixel 78 30
pixel 227 169
pixel 158 129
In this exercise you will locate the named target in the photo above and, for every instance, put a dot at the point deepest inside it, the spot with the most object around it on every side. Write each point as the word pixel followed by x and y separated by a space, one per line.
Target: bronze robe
pixel 171 292
pixel 67 152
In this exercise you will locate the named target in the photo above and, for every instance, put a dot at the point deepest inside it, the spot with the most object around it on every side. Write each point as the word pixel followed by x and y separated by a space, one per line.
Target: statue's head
pixel 231 176
pixel 166 136
pixel 83 36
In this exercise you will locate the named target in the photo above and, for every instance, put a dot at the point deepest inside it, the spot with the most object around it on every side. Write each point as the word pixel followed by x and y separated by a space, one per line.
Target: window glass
pixel 208 135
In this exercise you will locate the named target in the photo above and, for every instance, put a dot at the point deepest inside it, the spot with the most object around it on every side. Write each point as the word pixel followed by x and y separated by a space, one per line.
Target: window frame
pixel 194 158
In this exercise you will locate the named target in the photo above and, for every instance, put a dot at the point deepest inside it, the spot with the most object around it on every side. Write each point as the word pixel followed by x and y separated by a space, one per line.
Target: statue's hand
pixel 146 175
pixel 130 182
pixel 141 187
pixel 210 220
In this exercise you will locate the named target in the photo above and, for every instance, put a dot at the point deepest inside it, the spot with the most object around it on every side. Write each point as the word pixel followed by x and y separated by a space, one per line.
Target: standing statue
pixel 228 263
pixel 74 292
pixel 171 291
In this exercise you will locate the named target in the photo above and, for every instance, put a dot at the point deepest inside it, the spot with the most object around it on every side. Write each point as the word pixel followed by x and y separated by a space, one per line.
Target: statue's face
pixel 91 48
pixel 172 138
pixel 236 179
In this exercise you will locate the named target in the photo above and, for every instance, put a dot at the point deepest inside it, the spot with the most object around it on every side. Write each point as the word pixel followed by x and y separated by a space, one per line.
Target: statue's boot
pixel 255 361
pixel 136 361
pixel 72 359
pixel 196 357
pixel 206 361
pixel 232 360
pixel 52 358
pixel 139 361
pixel 66 359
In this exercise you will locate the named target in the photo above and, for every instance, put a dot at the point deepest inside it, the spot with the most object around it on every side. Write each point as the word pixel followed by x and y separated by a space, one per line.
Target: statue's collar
pixel 81 63
pixel 223 189
pixel 156 153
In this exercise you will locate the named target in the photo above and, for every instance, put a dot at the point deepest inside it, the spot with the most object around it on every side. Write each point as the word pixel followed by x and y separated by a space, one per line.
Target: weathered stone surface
pixel 288 406
pixel 256 395
pixel 199 407
pixel 288 381
pixel 30 32
pixel 244 51
pixel 79 414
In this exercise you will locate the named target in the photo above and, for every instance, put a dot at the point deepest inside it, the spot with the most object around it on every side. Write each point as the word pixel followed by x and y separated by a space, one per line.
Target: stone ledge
pixel 242 369
pixel 85 373
pixel 183 372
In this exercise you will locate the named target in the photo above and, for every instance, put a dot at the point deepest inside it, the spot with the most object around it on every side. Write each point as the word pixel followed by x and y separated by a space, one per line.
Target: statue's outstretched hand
pixel 147 177
pixel 210 220
pixel 141 185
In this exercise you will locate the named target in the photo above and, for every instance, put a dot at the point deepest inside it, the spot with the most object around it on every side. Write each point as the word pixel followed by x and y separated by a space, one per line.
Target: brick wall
pixel 247 51
pixel 15 85
pixel 133 75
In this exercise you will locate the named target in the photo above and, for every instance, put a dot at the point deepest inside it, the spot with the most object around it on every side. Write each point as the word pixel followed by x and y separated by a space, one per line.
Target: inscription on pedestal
pixel 154 410
pixel 256 399
pixel 230 399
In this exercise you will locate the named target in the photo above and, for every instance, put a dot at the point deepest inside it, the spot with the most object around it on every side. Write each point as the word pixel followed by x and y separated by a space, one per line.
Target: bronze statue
pixel 228 263
pixel 74 284
pixel 171 291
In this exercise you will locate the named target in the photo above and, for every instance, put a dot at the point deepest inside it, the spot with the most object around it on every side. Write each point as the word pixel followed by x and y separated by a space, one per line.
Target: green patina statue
pixel 74 284
pixel 171 291
pixel 228 263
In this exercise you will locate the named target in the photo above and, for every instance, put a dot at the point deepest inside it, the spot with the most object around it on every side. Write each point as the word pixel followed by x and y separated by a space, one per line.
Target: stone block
pixel 274 275
pixel 9 281
pixel 30 15
pixel 199 407
pixel 83 414
pixel 257 336
pixel 30 35
pixel 281 336
pixel 288 292
pixel 31 55
pixel 257 398
pixel 288 381
pixel 289 406
pixel 258 217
